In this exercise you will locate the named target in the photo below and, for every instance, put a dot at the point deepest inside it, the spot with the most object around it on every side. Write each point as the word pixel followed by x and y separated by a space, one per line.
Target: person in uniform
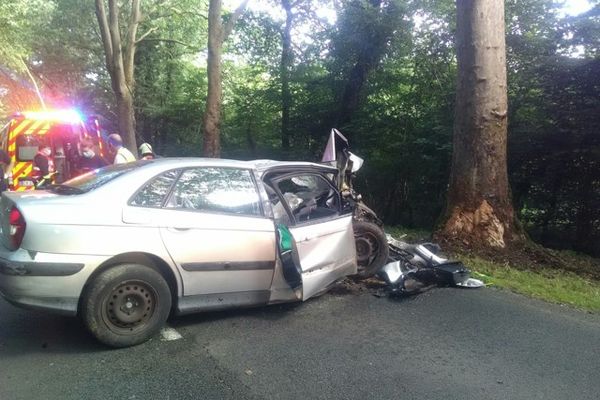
pixel 122 154
pixel 89 160
pixel 5 169
pixel 146 152
pixel 43 165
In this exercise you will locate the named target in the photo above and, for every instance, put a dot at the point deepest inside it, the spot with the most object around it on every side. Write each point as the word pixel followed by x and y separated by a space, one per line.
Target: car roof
pixel 259 165
pixel 267 165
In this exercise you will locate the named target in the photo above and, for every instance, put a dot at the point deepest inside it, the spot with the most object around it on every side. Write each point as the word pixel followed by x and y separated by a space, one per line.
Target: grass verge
pixel 550 285
pixel 545 283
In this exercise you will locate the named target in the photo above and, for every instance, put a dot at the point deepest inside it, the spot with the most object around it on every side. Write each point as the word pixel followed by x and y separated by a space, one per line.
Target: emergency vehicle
pixel 63 130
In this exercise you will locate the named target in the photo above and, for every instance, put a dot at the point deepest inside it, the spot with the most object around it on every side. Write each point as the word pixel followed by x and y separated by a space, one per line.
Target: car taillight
pixel 17 227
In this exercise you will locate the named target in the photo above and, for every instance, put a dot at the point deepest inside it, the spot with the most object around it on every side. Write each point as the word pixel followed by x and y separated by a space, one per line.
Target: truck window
pixel 27 147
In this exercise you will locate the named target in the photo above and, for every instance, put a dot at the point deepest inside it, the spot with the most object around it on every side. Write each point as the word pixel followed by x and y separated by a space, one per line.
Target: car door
pixel 322 234
pixel 214 230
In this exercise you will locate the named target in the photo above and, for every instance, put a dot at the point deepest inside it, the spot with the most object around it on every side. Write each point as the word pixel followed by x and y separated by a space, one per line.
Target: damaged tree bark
pixel 479 210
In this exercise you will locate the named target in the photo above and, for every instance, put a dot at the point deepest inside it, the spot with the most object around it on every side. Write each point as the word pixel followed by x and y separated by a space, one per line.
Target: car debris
pixel 412 267
pixel 406 268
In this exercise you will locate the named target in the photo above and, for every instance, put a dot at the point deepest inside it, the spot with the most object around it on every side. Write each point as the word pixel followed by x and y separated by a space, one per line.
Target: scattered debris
pixel 413 267
pixel 168 334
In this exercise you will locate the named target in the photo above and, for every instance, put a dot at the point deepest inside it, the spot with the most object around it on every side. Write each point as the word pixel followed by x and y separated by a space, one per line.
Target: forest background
pixel 381 71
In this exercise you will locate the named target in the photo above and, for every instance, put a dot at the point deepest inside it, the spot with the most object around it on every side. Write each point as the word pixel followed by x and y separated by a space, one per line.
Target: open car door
pixel 316 240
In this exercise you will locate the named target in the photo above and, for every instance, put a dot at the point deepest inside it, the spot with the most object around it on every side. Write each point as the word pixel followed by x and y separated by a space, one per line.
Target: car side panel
pixel 218 253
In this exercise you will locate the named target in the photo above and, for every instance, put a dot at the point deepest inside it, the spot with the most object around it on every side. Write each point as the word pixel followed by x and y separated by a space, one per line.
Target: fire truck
pixel 63 130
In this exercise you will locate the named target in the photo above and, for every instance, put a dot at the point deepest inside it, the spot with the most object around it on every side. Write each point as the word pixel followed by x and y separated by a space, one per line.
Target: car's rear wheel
pixel 126 305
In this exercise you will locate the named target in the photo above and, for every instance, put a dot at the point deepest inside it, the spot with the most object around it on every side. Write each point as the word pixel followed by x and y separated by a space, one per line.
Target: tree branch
pixel 168 41
pixel 105 34
pixel 117 74
pixel 229 26
pixel 130 42
pixel 35 85
pixel 148 32
pixel 176 11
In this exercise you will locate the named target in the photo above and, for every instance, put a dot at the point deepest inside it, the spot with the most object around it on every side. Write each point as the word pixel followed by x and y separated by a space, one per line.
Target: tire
pixel 126 305
pixel 371 248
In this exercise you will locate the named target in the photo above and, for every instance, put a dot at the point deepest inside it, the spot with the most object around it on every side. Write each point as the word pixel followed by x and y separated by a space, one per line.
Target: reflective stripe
pixel 124 156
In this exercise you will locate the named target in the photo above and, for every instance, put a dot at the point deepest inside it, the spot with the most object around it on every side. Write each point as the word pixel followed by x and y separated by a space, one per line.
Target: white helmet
pixel 145 149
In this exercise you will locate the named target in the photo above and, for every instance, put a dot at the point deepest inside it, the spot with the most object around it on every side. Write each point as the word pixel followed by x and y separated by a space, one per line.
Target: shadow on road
pixel 272 312
pixel 24 331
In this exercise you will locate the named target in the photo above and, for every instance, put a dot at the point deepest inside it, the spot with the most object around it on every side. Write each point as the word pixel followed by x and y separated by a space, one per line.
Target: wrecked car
pixel 126 245
pixel 406 268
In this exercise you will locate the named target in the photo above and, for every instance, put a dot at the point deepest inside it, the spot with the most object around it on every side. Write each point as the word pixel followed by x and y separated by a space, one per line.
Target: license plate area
pixel 26 182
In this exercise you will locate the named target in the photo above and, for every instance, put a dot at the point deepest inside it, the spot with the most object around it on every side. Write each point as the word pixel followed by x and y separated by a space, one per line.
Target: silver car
pixel 126 245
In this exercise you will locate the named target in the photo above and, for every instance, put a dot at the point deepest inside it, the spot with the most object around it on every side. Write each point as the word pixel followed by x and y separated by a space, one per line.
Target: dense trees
pixel 383 71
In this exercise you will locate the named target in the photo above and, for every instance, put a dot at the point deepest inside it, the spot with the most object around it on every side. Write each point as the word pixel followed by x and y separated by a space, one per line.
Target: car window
pixel 94 179
pixel 223 190
pixel 309 197
pixel 154 193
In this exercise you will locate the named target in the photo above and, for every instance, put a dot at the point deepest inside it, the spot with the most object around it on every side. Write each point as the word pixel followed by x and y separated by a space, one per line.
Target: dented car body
pixel 126 245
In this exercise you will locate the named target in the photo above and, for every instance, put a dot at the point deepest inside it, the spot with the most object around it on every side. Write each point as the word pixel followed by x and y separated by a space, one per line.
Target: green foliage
pixel 383 72
pixel 171 81
pixel 554 149
pixel 20 23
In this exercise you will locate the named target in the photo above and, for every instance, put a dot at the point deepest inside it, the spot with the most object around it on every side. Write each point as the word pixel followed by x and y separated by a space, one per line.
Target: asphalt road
pixel 443 344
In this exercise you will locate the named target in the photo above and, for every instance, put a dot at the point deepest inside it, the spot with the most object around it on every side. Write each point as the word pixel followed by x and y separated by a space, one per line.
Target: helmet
pixel 145 149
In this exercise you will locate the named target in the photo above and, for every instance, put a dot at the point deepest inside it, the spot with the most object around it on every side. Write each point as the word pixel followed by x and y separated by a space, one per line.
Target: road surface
pixel 442 344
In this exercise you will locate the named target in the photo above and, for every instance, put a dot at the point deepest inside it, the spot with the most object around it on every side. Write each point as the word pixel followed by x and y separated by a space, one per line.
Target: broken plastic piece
pixel 471 283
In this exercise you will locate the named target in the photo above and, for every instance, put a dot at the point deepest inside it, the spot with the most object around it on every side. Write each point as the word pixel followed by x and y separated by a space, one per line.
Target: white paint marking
pixel 168 334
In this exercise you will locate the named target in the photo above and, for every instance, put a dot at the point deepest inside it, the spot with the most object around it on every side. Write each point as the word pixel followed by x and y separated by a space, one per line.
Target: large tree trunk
pixel 479 209
pixel 286 63
pixel 119 55
pixel 126 120
pixel 217 34
pixel 212 114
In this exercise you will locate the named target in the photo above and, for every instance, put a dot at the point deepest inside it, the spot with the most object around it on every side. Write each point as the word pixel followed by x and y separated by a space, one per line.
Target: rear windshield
pixel 94 179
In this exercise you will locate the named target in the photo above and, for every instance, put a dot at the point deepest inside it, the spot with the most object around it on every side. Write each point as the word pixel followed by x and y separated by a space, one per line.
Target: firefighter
pixel 89 160
pixel 146 152
pixel 43 165
pixel 6 164
pixel 122 155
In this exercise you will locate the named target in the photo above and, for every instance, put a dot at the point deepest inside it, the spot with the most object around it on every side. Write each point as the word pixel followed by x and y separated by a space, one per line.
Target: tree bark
pixel 479 210
pixel 285 66
pixel 34 82
pixel 119 59
pixel 217 34
pixel 212 115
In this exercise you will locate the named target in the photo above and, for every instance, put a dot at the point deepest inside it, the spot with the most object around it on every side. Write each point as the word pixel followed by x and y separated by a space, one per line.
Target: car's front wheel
pixel 371 248
pixel 126 305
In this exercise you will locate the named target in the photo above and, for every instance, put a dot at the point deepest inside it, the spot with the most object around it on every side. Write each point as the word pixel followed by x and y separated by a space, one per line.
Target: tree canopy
pixel 382 71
